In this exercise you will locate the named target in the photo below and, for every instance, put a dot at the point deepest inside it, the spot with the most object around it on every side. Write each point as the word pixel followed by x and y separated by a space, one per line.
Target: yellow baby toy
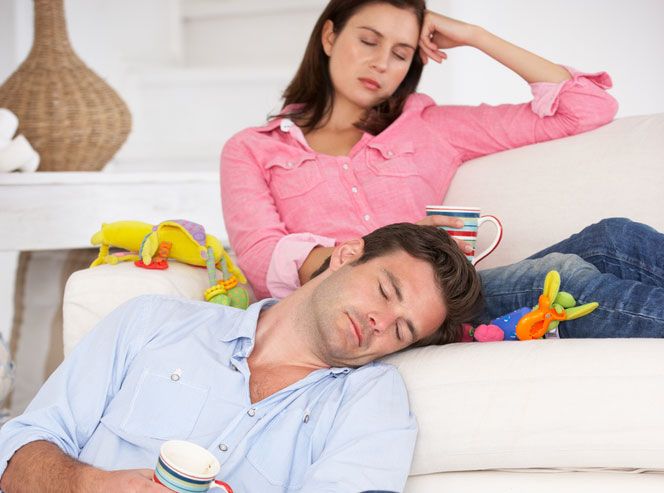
pixel 181 240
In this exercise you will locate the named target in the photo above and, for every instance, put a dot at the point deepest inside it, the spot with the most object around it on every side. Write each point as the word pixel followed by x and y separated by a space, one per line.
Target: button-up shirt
pixel 281 198
pixel 159 368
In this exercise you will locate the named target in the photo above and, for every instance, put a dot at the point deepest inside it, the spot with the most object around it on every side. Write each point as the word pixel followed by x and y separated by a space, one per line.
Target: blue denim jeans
pixel 616 262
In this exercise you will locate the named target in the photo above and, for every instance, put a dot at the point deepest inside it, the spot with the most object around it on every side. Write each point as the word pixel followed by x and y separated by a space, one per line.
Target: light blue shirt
pixel 160 368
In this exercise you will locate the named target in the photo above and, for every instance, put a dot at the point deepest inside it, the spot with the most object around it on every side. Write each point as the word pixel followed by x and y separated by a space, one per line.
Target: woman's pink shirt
pixel 280 198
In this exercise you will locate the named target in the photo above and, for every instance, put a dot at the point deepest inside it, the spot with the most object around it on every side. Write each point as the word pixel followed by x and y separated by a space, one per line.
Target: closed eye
pixel 400 57
pixel 368 43
pixel 382 291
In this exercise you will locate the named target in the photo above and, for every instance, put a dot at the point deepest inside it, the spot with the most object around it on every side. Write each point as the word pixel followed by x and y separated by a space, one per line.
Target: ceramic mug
pixel 472 221
pixel 185 467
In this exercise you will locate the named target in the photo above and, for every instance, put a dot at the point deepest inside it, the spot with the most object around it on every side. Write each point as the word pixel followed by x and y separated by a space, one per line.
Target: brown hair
pixel 459 283
pixel 312 89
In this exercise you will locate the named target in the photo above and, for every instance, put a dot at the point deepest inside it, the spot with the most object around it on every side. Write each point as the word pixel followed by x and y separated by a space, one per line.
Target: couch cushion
pixel 543 193
pixel 539 404
pixel 91 294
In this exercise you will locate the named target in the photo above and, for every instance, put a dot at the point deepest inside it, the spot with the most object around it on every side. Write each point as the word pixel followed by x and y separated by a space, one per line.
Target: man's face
pixel 367 311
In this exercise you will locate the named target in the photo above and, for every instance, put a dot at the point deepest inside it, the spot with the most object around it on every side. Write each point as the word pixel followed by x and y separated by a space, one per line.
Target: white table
pixel 46 211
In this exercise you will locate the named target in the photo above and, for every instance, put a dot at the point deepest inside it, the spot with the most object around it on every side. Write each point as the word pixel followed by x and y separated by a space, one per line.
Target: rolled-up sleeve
pixel 557 110
pixel 371 444
pixel 289 254
pixel 68 407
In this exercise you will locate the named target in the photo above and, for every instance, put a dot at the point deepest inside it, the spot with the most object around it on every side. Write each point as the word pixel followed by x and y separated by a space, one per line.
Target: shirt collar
pixel 244 326
pixel 284 124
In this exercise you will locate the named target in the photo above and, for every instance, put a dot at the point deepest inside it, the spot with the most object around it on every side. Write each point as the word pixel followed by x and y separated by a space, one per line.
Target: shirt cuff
pixel 546 95
pixel 288 256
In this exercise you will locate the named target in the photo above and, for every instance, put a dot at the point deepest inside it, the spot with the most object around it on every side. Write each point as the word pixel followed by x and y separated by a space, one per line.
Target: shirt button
pixel 354 189
pixel 223 447
pixel 390 154
pixel 345 166
pixel 367 217
pixel 289 164
pixel 251 412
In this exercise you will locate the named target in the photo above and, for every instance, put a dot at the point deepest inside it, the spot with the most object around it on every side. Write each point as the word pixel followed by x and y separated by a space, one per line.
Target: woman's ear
pixel 328 37
pixel 348 251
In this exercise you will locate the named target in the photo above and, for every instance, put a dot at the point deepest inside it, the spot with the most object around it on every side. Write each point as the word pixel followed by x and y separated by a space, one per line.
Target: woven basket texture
pixel 72 117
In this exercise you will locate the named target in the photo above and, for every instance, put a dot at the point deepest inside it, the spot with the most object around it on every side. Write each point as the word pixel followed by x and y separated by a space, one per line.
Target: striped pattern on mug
pixel 472 221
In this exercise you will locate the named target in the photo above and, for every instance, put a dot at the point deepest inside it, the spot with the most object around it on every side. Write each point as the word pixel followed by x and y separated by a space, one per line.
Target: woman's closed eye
pixel 400 56
pixel 368 43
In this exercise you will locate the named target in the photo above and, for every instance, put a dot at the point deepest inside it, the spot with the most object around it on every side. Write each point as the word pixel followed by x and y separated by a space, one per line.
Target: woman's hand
pixel 440 32
pixel 450 222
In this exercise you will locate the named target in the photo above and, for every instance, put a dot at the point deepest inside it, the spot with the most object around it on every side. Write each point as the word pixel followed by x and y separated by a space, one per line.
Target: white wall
pixel 624 38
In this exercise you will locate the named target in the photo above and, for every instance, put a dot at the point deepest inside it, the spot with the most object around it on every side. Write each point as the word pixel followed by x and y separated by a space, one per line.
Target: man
pixel 286 395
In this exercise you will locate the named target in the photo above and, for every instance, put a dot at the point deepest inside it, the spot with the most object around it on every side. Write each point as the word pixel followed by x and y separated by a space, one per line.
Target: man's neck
pixel 282 337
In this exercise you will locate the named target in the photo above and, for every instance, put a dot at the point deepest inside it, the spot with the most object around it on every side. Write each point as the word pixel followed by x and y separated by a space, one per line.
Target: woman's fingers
pixel 465 247
pixel 427 53
pixel 436 220
pixel 449 222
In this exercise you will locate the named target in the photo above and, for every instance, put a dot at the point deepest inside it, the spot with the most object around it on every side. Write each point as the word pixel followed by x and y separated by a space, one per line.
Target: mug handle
pixel 499 227
pixel 223 486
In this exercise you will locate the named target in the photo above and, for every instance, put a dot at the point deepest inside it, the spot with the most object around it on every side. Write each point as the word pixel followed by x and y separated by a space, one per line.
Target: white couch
pixel 540 416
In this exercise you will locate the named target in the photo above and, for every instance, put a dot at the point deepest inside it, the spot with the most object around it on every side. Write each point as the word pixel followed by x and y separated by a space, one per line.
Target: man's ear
pixel 348 251
pixel 328 37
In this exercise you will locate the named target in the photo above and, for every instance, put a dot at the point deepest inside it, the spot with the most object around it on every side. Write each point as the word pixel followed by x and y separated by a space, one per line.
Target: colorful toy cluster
pixel 150 247
pixel 554 306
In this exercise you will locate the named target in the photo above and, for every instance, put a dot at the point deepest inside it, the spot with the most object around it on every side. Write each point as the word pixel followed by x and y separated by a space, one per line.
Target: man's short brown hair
pixel 459 283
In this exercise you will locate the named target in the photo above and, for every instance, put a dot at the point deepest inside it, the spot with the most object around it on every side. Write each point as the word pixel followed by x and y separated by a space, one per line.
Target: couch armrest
pixel 91 294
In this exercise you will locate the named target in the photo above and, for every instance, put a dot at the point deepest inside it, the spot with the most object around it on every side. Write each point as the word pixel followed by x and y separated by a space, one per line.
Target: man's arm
pixel 42 466
pixel 67 409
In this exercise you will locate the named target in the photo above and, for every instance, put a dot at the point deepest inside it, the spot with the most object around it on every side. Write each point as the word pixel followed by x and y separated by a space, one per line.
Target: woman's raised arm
pixel 440 32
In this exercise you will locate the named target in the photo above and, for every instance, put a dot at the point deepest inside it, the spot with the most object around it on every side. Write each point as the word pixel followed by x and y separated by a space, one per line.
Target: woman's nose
pixel 379 63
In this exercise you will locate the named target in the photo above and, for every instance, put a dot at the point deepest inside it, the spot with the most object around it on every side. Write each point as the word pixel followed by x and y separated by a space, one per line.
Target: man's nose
pixel 379 322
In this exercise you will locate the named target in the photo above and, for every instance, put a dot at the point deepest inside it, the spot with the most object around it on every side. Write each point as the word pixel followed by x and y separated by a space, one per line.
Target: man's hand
pixel 42 466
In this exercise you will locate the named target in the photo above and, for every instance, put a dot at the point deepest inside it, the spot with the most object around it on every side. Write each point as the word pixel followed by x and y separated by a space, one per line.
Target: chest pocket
pixel 387 159
pixel 282 453
pixel 291 176
pixel 163 408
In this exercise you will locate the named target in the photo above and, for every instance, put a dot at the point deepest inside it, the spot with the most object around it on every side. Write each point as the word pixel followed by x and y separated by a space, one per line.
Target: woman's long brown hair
pixel 312 88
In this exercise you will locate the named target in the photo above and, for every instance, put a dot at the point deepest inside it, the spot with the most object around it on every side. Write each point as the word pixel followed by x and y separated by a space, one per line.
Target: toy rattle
pixel 554 306
pixel 150 247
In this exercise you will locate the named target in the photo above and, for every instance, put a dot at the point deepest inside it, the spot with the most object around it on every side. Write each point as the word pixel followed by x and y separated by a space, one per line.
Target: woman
pixel 355 148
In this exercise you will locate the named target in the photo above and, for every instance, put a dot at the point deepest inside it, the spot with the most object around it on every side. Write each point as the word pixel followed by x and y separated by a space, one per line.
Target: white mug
pixel 185 467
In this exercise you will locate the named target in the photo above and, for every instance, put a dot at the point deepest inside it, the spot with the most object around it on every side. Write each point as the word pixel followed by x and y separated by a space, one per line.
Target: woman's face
pixel 372 54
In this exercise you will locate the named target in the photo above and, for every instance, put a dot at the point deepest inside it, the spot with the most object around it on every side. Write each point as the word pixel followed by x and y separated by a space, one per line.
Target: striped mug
pixel 185 467
pixel 472 221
